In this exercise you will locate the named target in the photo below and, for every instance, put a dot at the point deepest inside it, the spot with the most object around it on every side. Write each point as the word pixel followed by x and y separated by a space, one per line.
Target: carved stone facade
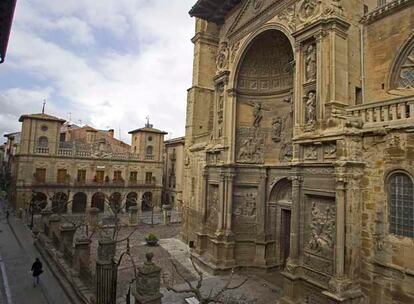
pixel 306 140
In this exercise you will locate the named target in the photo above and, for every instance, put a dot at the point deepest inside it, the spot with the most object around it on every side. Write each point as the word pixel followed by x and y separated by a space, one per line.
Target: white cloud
pixel 105 84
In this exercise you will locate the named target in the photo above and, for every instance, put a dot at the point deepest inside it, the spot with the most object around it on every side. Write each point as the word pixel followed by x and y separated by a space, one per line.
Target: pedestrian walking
pixel 36 271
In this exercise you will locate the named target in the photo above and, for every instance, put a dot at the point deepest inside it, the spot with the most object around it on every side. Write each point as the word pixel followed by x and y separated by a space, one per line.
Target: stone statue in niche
pixel 222 57
pixel 322 230
pixel 310 63
pixel 310 107
pixel 276 129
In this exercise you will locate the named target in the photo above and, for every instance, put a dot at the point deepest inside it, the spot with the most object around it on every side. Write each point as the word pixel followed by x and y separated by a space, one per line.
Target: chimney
pixel 111 133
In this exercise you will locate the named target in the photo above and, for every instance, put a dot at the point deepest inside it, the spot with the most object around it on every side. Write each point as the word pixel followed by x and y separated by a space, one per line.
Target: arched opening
pixel 131 200
pixel 402 74
pixel 280 200
pixel 60 202
pixel 147 203
pixel 98 201
pixel 150 150
pixel 39 200
pixel 79 203
pixel 264 111
pixel 115 201
pixel 43 142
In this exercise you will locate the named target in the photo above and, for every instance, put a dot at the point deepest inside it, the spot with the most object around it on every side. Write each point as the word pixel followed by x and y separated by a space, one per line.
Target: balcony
pixel 93 184
pixel 149 157
pixel 42 150
pixel 389 113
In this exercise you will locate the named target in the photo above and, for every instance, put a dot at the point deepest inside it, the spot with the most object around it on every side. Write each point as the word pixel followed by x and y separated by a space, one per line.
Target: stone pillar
pixel 295 224
pixel 133 216
pixel 204 196
pixel 148 282
pixel 93 214
pixel 54 222
pixel 67 231
pixel 81 255
pixel 166 210
pixel 45 214
pixel 260 255
pixel 106 272
pixel 229 204
pixel 222 199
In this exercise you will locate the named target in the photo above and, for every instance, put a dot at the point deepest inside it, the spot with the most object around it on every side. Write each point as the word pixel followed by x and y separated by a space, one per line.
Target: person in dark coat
pixel 36 271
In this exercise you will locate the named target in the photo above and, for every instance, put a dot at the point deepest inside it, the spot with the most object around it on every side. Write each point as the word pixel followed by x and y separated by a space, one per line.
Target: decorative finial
pixel 148 125
pixel 44 104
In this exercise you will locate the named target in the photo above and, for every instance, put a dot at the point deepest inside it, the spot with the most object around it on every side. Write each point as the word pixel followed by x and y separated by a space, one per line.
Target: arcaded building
pixel 299 145
pixel 71 169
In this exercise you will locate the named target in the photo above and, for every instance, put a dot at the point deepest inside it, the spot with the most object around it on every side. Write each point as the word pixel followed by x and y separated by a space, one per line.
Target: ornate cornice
pixel 385 10
pixel 213 10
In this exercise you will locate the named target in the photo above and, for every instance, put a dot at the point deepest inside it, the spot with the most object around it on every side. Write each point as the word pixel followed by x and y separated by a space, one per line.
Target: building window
pixel 99 177
pixel 150 150
pixel 62 137
pixel 133 176
pixel 61 176
pixel 43 142
pixel 401 205
pixel 117 176
pixel 81 176
pixel 150 138
pixel 40 175
pixel 403 71
pixel 148 177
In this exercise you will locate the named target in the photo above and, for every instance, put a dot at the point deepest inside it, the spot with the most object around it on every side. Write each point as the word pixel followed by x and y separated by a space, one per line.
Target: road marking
pixel 5 281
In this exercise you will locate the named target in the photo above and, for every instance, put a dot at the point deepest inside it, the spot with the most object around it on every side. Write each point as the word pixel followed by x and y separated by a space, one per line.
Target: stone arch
pixel 115 201
pixel 60 202
pixel 147 203
pixel 402 69
pixel 131 200
pixel 281 192
pixel 39 200
pixel 79 202
pixel 264 83
pixel 98 201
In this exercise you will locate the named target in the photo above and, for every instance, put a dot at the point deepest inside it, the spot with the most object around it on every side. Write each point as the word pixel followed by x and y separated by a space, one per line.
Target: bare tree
pixel 195 288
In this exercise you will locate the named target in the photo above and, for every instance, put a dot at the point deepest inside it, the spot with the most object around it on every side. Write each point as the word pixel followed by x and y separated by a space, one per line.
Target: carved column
pixel 133 216
pixel 67 231
pixel 340 229
pixel 261 207
pixel 54 223
pixel 229 205
pixel 295 225
pixel 204 196
pixel 222 201
pixel 81 255
pixel 93 216
pixel 45 213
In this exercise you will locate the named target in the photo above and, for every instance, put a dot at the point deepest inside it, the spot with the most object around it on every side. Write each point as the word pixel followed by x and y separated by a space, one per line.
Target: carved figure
pixel 322 230
pixel 310 62
pixel 251 150
pixel 286 152
pixel 223 57
pixel 276 129
pixel 308 10
pixel 311 109
pixel 257 114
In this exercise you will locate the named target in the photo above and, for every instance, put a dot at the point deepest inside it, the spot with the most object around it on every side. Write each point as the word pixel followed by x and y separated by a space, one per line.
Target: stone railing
pixel 65 151
pixel 384 9
pixel 385 113
pixel 42 150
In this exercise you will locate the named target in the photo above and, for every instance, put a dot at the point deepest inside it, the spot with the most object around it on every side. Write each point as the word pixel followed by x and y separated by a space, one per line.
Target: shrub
pixel 152 237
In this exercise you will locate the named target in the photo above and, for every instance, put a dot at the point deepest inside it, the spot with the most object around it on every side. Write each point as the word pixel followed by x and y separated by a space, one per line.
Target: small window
pixel 148 177
pixel 40 175
pixel 43 142
pixel 117 176
pixel 401 205
pixel 62 137
pixel 44 128
pixel 81 176
pixel 149 138
pixel 61 176
pixel 133 176
pixel 100 175
pixel 150 150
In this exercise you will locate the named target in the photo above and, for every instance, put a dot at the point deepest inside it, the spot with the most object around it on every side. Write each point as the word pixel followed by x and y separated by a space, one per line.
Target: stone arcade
pixel 305 161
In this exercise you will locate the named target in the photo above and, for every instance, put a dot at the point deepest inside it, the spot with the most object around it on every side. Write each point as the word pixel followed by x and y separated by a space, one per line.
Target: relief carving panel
pixel 244 210
pixel 212 206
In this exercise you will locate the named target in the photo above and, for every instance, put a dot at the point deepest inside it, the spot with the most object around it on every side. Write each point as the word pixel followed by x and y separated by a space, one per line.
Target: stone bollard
pixel 133 216
pixel 148 282
pixel 106 272
pixel 93 217
pixel 166 210
pixel 45 214
pixel 67 231
pixel 82 254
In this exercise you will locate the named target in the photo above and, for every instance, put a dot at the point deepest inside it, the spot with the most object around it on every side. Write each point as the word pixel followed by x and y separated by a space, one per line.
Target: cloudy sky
pixel 110 63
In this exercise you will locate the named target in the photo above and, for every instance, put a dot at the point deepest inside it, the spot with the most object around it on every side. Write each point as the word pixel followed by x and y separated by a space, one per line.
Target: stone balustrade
pixel 384 113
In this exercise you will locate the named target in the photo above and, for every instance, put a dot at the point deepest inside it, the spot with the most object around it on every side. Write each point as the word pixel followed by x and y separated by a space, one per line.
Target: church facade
pixel 299 145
